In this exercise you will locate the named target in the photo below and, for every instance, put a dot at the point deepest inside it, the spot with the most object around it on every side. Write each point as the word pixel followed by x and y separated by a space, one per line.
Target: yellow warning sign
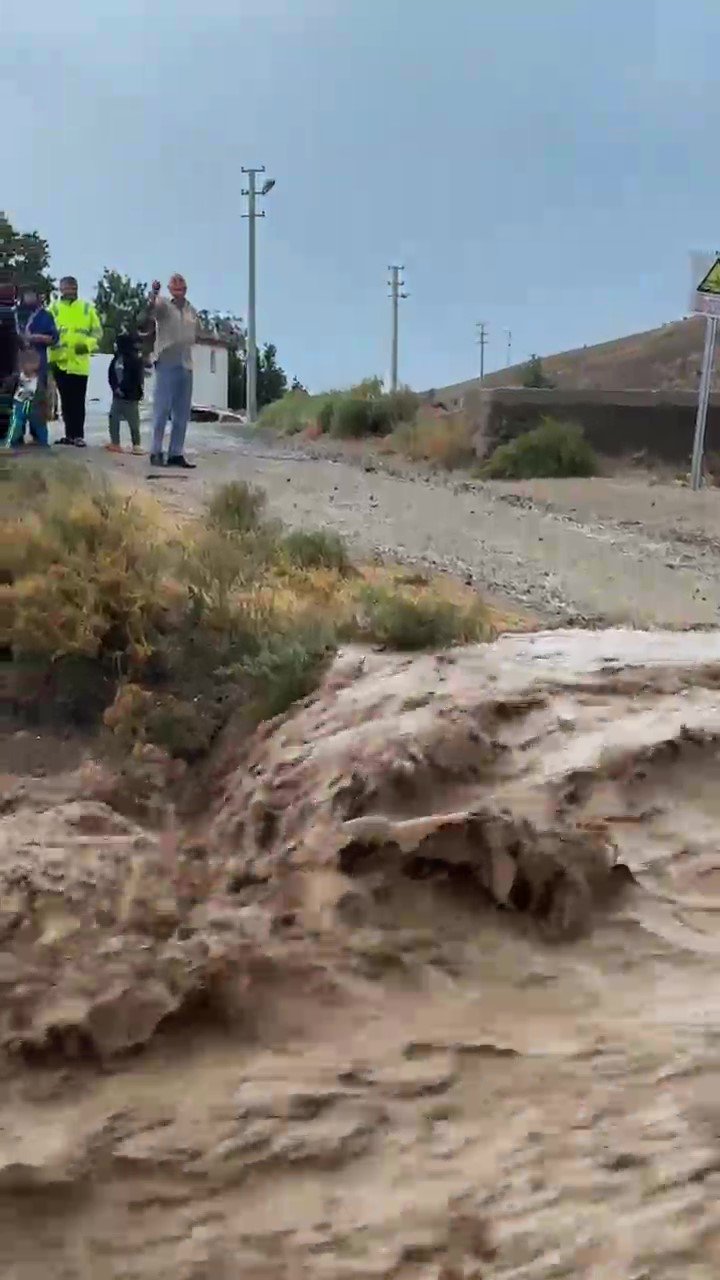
pixel 711 282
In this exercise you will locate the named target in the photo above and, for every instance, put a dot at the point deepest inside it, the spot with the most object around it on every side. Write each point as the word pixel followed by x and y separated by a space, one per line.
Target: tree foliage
pixel 24 258
pixel 272 380
pixel 534 375
pixel 121 304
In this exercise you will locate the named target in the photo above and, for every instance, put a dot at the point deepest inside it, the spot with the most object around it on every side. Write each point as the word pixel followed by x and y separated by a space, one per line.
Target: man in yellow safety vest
pixel 80 332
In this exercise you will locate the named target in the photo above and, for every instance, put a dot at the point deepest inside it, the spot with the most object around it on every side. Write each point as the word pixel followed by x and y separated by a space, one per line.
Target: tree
pixel 534 375
pixel 272 381
pixel 24 258
pixel 296 385
pixel 121 305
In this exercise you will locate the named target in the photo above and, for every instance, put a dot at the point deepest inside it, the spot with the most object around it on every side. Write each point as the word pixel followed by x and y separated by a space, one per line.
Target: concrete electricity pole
pixel 482 343
pixel 396 286
pixel 509 347
pixel 251 356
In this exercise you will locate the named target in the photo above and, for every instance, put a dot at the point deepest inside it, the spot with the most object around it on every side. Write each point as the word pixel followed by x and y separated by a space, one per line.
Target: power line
pixel 396 287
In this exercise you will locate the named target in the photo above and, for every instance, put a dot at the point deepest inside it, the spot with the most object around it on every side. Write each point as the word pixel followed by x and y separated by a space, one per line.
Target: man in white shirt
pixel 177 325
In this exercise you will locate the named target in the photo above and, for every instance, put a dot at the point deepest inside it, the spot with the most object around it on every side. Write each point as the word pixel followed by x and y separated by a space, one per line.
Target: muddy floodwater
pixel 428 985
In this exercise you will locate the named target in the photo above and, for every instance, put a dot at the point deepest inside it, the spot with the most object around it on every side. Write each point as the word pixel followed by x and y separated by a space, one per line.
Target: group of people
pixel 58 341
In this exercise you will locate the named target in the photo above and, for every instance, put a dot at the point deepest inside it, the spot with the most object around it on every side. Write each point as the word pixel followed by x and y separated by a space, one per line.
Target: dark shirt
pixel 41 322
pixel 126 375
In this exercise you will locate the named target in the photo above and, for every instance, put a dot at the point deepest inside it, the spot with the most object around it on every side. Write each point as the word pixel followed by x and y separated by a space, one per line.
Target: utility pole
pixel 396 286
pixel 509 347
pixel 482 343
pixel 251 357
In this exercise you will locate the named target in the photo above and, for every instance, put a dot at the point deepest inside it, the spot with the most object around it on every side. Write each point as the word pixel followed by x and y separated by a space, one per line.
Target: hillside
pixel 668 359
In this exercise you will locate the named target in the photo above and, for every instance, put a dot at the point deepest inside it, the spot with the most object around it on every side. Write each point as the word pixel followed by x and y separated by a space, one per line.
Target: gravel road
pixel 597 550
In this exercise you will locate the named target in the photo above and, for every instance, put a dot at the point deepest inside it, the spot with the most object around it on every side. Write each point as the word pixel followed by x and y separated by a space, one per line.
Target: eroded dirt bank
pixel 428 990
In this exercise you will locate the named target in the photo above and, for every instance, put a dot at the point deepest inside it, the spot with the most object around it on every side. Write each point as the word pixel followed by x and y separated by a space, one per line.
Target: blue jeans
pixel 173 399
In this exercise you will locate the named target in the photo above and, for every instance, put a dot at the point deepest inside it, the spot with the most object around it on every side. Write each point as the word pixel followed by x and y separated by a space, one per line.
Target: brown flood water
pixel 431 990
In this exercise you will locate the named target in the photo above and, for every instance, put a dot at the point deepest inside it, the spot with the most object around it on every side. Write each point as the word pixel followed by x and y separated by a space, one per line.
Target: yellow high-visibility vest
pixel 77 322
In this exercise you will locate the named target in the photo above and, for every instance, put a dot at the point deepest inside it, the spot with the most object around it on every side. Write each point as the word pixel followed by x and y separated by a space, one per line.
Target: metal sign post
pixel 705 301
pixel 703 402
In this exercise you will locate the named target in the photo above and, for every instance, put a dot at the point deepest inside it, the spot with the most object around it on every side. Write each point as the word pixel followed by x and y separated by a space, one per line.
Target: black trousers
pixel 72 389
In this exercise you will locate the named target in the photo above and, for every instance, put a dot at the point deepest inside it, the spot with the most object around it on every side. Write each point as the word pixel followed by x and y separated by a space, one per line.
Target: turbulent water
pixel 429 989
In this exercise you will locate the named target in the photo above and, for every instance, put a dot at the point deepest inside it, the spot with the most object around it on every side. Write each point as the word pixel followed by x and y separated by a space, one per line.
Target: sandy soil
pixel 430 993
pixel 601 550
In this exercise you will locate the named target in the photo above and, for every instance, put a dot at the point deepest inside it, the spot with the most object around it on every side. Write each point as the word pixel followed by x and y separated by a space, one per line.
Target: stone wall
pixel 617 423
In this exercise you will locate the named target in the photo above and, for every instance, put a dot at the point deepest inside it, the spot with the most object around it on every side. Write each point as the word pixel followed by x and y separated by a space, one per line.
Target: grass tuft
pixel 237 507
pixel 317 549
pixel 399 619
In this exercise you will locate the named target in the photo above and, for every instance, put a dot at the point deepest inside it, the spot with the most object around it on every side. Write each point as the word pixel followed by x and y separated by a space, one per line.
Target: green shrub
pixel 552 449
pixel 403 621
pixel 325 415
pixel 355 417
pixel 292 413
pixel 237 507
pixel 361 410
pixel 316 549
pixel 368 389
pixel 402 405
pixel 289 666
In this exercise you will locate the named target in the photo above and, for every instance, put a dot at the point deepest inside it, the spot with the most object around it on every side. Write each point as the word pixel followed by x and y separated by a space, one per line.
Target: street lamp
pixel 251 366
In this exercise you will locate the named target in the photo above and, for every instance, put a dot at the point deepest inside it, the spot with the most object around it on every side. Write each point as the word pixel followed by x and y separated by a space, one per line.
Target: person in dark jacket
pixel 126 375
pixel 40 335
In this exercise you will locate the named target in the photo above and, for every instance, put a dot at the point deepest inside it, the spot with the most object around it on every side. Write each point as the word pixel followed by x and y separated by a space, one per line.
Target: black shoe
pixel 156 460
pixel 79 443
pixel 177 460
pixel 64 440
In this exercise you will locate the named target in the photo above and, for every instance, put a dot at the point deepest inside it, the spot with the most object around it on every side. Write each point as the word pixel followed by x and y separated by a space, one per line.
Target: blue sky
pixel 543 165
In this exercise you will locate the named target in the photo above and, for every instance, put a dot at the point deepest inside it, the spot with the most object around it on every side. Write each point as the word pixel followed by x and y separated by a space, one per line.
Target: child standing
pixel 126 376
pixel 24 400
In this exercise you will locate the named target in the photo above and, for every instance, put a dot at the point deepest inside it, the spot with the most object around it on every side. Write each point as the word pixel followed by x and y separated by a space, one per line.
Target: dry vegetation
pixel 553 449
pixel 444 441
pixel 112 610
pixel 349 414
pixel 397 422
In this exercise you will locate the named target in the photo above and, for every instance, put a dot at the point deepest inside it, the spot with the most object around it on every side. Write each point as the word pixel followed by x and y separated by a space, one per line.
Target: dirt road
pixel 599 550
